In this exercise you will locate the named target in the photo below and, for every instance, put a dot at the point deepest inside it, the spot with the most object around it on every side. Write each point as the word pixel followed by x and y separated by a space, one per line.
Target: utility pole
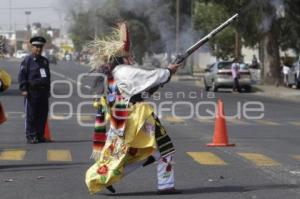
pixel 9 19
pixel 177 25
pixel 27 13
pixel 237 44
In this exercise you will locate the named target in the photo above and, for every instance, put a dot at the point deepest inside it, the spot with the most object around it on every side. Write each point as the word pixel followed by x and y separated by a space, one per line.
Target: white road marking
pixel 70 79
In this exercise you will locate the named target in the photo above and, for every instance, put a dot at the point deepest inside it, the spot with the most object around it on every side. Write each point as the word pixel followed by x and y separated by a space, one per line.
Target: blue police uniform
pixel 34 77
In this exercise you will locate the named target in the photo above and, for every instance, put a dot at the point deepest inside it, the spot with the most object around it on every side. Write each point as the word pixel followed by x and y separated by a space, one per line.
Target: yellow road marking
pixel 295 123
pixel 87 117
pixel 259 159
pixel 206 158
pixel 266 122
pixel 12 155
pixel 173 119
pixel 59 155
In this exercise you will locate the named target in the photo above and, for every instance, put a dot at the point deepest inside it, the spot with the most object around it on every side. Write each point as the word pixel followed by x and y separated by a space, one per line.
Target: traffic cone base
pixel 2 114
pixel 2 119
pixel 220 138
pixel 47 134
pixel 219 145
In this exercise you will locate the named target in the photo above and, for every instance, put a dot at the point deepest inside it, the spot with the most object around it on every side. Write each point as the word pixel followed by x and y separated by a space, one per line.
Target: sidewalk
pixel 196 80
pixel 280 92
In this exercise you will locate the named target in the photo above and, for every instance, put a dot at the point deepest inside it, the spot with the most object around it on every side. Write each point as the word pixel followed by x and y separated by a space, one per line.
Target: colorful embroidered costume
pixel 135 137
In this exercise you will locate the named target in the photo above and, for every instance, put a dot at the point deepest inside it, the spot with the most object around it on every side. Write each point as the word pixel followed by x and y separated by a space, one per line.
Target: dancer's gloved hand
pixel 24 93
pixel 173 68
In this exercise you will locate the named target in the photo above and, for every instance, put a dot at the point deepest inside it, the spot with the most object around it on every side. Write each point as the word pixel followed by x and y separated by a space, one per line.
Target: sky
pixel 48 12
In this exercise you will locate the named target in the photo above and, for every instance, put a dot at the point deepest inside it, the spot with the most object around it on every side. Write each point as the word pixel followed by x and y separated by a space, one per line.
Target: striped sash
pixel 164 143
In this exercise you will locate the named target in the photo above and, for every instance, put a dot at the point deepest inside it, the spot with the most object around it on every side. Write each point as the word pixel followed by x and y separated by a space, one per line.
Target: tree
pixel 207 17
pixel 260 24
pixel 111 13
pixel 2 46
pixel 290 27
pixel 81 30
pixel 98 22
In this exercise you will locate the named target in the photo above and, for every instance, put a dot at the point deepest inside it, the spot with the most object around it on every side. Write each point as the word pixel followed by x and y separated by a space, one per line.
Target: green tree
pixel 111 13
pixel 82 29
pixel 290 27
pixel 207 17
pixel 99 21
pixel 258 24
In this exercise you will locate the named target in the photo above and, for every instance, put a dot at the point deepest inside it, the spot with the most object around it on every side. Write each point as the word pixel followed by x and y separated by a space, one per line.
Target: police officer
pixel 34 83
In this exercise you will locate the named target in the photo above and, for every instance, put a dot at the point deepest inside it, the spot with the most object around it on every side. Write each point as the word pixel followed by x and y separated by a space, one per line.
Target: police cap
pixel 37 40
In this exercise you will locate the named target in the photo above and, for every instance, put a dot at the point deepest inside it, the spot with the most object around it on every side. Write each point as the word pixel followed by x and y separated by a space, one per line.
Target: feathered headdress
pixel 115 45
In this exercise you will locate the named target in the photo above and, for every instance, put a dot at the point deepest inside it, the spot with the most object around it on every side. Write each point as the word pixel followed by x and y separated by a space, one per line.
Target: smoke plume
pixel 157 12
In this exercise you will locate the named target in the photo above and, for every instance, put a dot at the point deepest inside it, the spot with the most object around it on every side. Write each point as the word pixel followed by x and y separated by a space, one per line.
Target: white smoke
pixel 278 11
pixel 158 13
pixel 279 8
pixel 163 22
pixel 271 11
pixel 160 18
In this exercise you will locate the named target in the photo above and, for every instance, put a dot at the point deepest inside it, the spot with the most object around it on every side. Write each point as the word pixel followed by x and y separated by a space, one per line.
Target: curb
pixel 289 95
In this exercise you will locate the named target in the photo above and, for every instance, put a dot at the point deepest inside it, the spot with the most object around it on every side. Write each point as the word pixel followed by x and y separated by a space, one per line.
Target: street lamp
pixel 27 13
pixel 9 19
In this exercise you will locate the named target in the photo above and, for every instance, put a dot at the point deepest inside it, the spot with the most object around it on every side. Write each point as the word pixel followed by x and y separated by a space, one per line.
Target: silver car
pixel 294 75
pixel 218 75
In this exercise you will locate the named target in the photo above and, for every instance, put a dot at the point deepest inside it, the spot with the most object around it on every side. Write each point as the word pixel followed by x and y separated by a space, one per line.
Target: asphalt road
pixel 263 164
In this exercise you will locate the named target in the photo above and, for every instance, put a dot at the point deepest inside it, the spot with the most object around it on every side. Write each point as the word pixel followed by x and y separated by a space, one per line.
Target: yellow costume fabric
pixel 5 78
pixel 137 144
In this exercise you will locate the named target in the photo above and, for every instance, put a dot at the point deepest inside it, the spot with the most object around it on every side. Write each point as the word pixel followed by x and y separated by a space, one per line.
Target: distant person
pixel 285 72
pixel 34 83
pixel 235 75
pixel 254 63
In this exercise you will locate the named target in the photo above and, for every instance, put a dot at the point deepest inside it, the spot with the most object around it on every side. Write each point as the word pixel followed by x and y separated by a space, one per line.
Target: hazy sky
pixel 48 12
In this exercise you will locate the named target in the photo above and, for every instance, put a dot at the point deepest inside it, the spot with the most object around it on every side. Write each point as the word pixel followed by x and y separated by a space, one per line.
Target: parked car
pixel 218 75
pixel 20 54
pixel 297 74
pixel 68 57
pixel 52 59
pixel 294 75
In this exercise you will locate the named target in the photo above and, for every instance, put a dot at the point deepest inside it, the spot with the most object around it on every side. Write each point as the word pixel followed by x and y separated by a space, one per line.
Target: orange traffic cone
pixel 220 135
pixel 47 134
pixel 2 114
